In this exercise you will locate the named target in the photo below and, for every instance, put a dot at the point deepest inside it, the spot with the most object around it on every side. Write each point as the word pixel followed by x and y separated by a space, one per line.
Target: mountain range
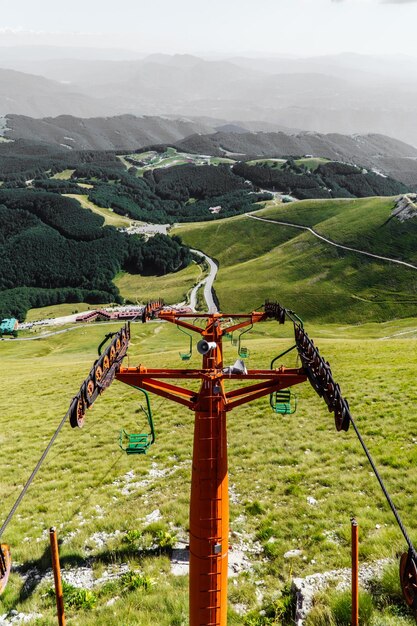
pixel 211 137
pixel 335 94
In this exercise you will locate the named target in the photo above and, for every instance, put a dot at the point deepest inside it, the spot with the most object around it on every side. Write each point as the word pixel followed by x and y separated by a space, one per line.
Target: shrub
pixel 135 580
pixel 75 597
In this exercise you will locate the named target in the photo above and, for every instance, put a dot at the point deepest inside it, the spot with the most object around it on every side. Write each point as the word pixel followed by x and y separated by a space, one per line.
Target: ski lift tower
pixel 209 504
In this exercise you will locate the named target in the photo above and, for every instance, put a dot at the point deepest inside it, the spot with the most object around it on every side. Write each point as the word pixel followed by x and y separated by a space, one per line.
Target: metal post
pixel 57 576
pixel 355 573
pixel 209 503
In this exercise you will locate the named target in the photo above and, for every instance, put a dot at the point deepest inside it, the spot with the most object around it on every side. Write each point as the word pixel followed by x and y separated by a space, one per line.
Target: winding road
pixel 208 282
pixel 332 243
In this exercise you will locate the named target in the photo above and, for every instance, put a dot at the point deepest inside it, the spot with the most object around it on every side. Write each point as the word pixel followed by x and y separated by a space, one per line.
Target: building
pixel 9 326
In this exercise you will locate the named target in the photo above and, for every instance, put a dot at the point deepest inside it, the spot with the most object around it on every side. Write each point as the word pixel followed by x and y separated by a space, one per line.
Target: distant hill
pixel 120 132
pixel 37 96
pixel 332 146
pixel 319 281
pixel 123 132
pixel 393 157
pixel 202 136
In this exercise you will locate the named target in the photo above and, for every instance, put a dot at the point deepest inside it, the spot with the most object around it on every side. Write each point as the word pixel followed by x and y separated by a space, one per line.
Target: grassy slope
pixel 311 163
pixel 259 260
pixel 110 218
pixel 64 175
pixel 364 224
pixel 85 468
pixel 59 310
pixel 172 288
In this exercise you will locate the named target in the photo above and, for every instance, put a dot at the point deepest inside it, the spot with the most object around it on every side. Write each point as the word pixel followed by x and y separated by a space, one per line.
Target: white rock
pixel 155 516
pixel 292 553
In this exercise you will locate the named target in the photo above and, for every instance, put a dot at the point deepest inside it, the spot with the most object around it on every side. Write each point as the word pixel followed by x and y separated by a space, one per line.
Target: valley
pixel 204 230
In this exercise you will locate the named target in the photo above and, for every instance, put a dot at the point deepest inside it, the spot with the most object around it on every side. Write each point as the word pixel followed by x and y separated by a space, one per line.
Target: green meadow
pixel 172 288
pixel 89 489
pixel 320 282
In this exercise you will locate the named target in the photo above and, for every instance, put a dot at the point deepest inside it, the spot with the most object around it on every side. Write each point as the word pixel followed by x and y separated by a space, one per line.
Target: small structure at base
pixel 9 326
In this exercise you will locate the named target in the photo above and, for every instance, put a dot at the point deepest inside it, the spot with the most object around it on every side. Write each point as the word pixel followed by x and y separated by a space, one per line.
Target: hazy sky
pixel 295 27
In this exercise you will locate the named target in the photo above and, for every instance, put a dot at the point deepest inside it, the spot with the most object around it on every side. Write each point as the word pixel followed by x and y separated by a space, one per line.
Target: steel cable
pixel 33 474
pixel 384 489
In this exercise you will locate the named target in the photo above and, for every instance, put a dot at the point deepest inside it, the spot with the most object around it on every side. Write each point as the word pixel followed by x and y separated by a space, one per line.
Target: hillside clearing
pixel 64 175
pixel 173 288
pixel 110 218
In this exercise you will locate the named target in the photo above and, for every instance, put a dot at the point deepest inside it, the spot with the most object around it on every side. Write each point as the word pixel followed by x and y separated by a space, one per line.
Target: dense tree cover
pixel 357 182
pixel 16 302
pixel 56 185
pixel 330 180
pixel 194 181
pixel 132 196
pixel 144 205
pixel 63 214
pixel 37 254
pixel 159 255
pixel 234 203
pixel 171 196
pixel 24 160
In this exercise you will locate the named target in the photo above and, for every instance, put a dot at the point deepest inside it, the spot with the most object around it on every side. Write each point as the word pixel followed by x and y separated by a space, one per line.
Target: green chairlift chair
pixel 139 443
pixel 186 356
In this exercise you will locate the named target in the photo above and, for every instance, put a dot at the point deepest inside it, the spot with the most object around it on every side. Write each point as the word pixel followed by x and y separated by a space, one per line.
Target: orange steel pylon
pixel 209 503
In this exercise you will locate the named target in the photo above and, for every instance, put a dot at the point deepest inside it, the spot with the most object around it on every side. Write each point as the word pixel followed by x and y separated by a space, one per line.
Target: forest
pixel 53 251
pixel 177 194
pixel 329 180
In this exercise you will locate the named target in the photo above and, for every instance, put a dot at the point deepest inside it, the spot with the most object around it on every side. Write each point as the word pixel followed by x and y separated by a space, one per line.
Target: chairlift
pixel 186 356
pixel 138 443
pixel 242 351
pixel 283 402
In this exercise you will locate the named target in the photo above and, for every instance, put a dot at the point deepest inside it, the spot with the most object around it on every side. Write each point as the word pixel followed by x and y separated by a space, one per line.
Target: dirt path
pixel 332 243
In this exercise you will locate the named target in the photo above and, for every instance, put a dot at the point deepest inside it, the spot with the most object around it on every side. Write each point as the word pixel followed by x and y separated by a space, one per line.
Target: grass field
pixel 361 223
pixel 172 288
pixel 64 175
pixel 60 310
pixel 311 163
pixel 317 280
pixel 88 486
pixel 270 162
pixel 110 218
